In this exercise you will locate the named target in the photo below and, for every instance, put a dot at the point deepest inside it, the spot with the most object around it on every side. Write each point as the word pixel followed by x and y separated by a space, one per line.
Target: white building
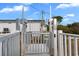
pixel 10 26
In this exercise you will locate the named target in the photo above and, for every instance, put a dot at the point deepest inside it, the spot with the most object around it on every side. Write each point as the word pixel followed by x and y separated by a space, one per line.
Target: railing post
pixel 22 43
pixel 0 48
pixel 69 45
pixel 65 45
pixel 51 44
pixel 22 37
pixel 55 36
pixel 75 47
pixel 60 43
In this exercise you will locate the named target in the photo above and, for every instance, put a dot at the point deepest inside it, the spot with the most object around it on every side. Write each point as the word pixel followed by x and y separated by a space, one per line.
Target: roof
pixel 14 21
pixel 7 21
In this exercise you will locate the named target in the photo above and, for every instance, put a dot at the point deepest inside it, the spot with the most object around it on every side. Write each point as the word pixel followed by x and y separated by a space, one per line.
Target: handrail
pixel 11 35
pixel 69 34
pixel 47 33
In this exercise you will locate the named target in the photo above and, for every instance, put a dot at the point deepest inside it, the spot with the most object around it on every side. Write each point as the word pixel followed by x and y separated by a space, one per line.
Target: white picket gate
pixel 36 43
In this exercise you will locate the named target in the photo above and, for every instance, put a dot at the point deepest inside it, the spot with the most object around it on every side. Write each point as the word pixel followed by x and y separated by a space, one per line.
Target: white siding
pixel 33 26
pixel 11 26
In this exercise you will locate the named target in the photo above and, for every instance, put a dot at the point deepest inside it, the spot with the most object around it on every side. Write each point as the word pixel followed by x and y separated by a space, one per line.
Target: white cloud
pixel 13 9
pixel 27 3
pixel 67 19
pixel 61 6
pixel 29 18
pixel 69 15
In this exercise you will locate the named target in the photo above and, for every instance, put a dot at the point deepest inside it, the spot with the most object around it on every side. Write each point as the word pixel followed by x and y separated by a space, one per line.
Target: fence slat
pixel 75 47
pixel 60 43
pixel 65 42
pixel 0 48
pixel 69 45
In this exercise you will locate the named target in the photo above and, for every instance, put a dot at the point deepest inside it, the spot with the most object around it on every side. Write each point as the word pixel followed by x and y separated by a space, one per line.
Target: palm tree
pixel 59 18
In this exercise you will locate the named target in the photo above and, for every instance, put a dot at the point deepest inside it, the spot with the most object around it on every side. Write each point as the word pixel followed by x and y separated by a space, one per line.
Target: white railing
pixel 39 43
pixel 10 45
pixel 67 44
pixel 4 34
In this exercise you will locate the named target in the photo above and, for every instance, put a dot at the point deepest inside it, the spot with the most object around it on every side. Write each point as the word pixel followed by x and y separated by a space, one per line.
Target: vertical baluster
pixel 0 48
pixel 12 46
pixel 38 45
pixel 69 45
pixel 65 42
pixel 9 46
pixel 75 47
pixel 29 43
pixel 43 48
pixel 41 42
pixel 5 43
pixel 34 43
pixel 44 43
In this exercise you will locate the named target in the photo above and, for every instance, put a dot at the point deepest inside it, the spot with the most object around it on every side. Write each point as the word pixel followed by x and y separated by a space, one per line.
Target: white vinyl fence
pixel 10 45
pixel 40 44
pixel 67 44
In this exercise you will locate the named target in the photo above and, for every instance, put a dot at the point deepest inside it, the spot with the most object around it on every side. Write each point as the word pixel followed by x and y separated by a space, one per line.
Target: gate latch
pixel 54 35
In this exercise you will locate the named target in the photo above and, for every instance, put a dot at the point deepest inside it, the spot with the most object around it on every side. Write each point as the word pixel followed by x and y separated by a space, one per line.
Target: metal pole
pixel 50 27
pixel 22 33
pixel 22 13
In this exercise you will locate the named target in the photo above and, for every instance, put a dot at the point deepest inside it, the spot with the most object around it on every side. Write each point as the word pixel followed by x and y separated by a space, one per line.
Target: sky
pixel 33 11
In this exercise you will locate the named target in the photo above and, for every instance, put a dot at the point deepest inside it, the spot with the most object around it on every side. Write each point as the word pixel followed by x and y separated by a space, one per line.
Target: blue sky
pixel 69 12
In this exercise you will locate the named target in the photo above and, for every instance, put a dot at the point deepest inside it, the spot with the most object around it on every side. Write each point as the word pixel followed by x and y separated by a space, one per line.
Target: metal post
pixel 50 25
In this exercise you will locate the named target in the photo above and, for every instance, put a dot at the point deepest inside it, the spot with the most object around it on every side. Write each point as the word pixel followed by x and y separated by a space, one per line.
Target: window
pixel 6 30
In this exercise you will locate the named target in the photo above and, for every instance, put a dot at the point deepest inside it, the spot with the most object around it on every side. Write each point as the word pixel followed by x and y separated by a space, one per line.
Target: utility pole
pixel 22 13
pixel 42 18
pixel 23 21
pixel 42 15
pixel 50 20
pixel 22 33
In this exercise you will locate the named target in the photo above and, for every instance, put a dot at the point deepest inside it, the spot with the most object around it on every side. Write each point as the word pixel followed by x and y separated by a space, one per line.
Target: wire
pixel 38 9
